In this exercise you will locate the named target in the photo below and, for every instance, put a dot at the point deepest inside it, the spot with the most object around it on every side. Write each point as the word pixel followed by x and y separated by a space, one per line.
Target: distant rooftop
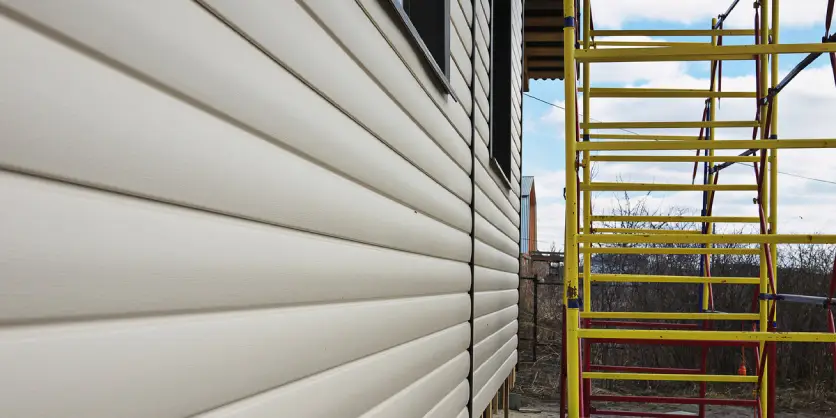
pixel 527 184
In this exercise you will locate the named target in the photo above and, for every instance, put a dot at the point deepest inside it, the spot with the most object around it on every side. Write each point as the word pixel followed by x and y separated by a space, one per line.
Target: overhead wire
pixel 636 133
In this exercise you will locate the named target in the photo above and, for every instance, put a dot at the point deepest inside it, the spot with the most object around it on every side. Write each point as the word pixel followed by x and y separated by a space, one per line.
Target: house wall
pixel 203 218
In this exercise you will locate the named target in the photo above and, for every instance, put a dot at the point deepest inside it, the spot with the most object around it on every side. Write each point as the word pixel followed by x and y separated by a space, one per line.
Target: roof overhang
pixel 543 36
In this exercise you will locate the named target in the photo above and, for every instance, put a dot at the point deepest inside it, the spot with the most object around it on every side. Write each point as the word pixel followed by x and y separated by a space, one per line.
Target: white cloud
pixel 612 14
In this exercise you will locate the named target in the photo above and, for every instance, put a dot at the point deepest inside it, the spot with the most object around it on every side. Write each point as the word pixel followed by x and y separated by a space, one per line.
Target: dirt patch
pixel 548 410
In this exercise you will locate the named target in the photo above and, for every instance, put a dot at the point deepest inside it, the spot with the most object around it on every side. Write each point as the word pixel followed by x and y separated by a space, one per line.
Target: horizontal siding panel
pixel 461 24
pixel 487 256
pixel 462 91
pixel 467 9
pixel 482 47
pixel 482 76
pixel 483 157
pixel 460 58
pixel 515 136
pixel 484 30
pixel 484 396
pixel 499 195
pixel 485 349
pixel 487 325
pixel 481 151
pixel 482 123
pixel 487 302
pixel 135 139
pixel 416 400
pixel 179 366
pixel 138 256
pixel 486 371
pixel 198 62
pixel 325 394
pixel 515 168
pixel 452 403
pixel 486 279
pixel 516 159
pixel 501 184
pixel 270 24
pixel 486 208
pixel 492 236
pixel 344 20
pixel 484 105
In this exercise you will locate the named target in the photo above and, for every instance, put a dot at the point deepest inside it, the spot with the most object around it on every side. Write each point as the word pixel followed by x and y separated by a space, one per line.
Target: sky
pixel 807 110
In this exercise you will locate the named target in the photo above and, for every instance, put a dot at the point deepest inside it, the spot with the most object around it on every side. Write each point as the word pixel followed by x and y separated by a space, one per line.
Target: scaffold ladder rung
pixel 675 158
pixel 658 187
pixel 672 32
pixel 706 145
pixel 674 219
pixel 679 316
pixel 642 278
pixel 618 92
pixel 669 250
pixel 671 377
pixel 699 52
pixel 708 239
pixel 671 125
pixel 676 335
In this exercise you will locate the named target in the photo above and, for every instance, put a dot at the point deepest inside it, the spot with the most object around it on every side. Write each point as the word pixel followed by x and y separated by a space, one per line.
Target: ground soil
pixel 547 410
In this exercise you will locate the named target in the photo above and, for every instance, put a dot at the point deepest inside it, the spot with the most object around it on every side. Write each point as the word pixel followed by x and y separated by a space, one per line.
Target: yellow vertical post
pixel 773 172
pixel 570 278
pixel 764 287
pixel 587 169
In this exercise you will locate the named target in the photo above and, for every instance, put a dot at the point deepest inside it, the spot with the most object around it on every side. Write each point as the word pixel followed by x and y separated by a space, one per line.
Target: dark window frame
pixel 422 28
pixel 501 140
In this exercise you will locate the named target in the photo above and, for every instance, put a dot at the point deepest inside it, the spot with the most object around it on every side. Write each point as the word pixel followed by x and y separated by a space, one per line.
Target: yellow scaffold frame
pixel 582 235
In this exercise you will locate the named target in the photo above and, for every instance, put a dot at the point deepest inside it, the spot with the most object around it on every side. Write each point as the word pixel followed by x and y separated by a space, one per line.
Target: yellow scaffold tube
pixel 670 250
pixel 673 32
pixel 694 145
pixel 699 52
pixel 625 92
pixel 644 231
pixel 671 125
pixel 676 158
pixel 638 137
pixel 655 187
pixel 709 239
pixel 642 278
pixel 675 335
pixel 645 43
pixel 680 316
pixel 675 219
pixel 571 254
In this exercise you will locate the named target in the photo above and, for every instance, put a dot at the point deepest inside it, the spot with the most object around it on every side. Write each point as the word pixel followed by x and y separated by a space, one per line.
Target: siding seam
pixel 472 292
pixel 150 81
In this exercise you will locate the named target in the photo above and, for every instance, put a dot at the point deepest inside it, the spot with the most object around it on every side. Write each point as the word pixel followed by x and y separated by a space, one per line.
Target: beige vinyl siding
pixel 182 189
pixel 392 60
pixel 450 406
pixel 497 232
pixel 460 57
pixel 467 10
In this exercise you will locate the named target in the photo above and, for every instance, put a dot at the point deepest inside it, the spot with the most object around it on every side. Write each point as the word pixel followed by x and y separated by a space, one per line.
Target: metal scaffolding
pixel 583 327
